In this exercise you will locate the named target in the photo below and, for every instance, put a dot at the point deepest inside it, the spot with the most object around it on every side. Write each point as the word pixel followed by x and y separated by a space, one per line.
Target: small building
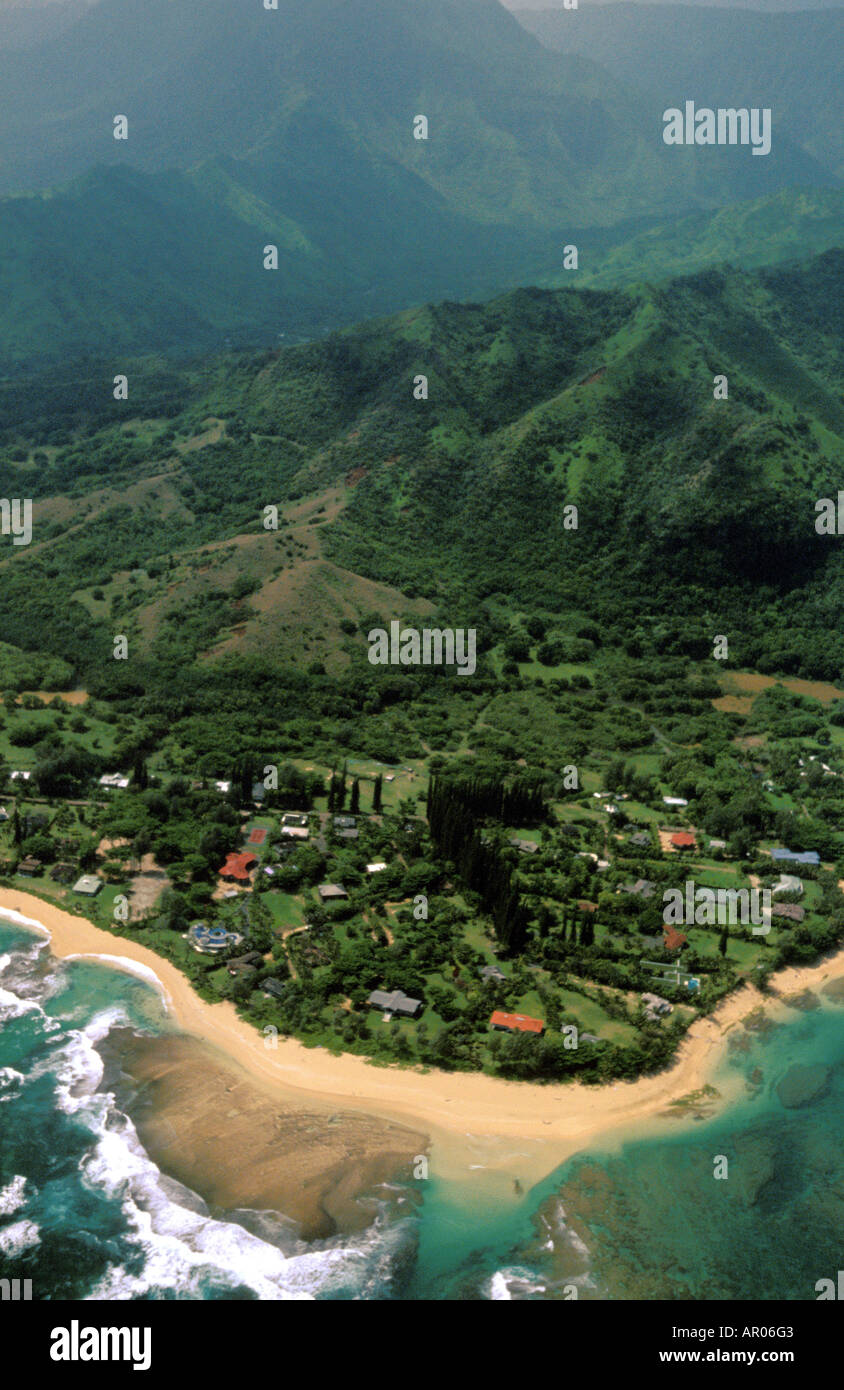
pixel 274 989
pixel 223 787
pixel 642 888
pixel 332 892
pixel 787 883
pixel 791 912
pixel 655 1006
pixel 295 832
pixel 19 776
pixel 674 939
pixel 114 779
pixel 717 844
pixel 4 814
pixel 683 839
pixel 515 1023
pixel 350 834
pixel 345 822
pixel 237 866
pixel 674 801
pixel 257 835
pixel 29 867
pixel 396 1003
pixel 259 792
pixel 89 885
pixel 640 839
pixel 491 972
pixel 525 846
pixel 376 868
pixel 62 873
pixel 244 966
pixel 790 856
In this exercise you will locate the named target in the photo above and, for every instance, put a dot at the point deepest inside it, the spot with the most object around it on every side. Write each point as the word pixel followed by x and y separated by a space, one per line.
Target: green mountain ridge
pixel 296 129
pixel 125 262
pixel 692 511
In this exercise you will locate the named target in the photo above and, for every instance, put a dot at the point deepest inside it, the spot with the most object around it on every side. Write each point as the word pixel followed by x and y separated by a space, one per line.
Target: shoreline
pixel 473 1121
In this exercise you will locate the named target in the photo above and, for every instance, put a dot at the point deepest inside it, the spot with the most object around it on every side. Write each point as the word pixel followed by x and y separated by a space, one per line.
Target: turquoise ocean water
pixel 84 1213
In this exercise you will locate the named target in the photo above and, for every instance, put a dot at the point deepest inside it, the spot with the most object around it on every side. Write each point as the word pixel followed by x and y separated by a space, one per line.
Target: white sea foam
pixel 513 1279
pixel 9 1082
pixel 185 1250
pixel 12 1006
pixel 13 1196
pixel 20 1236
pixel 21 921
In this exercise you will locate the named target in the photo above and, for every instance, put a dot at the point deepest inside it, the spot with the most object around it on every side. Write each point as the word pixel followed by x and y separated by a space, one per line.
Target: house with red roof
pixel 674 939
pixel 516 1023
pixel 683 840
pixel 237 866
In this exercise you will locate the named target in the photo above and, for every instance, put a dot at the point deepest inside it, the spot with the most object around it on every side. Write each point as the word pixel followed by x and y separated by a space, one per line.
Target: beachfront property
pixel 790 856
pixel 209 941
pixel 671 973
pixel 515 1023
pixel 656 1007
pixel 274 989
pixel 244 967
pixel 395 1003
pixel 88 885
pixel 29 867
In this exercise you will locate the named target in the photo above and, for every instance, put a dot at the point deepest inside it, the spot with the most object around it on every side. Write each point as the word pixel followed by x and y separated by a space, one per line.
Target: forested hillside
pixel 691 512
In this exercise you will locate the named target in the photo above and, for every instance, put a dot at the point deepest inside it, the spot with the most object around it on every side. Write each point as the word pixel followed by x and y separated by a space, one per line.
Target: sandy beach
pixel 472 1121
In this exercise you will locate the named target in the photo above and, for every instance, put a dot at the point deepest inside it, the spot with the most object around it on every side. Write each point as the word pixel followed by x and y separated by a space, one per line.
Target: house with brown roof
pixel 792 912
pixel 332 892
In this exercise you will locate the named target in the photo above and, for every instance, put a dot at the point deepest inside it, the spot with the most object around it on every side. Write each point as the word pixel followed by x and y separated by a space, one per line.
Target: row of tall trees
pixel 456 830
